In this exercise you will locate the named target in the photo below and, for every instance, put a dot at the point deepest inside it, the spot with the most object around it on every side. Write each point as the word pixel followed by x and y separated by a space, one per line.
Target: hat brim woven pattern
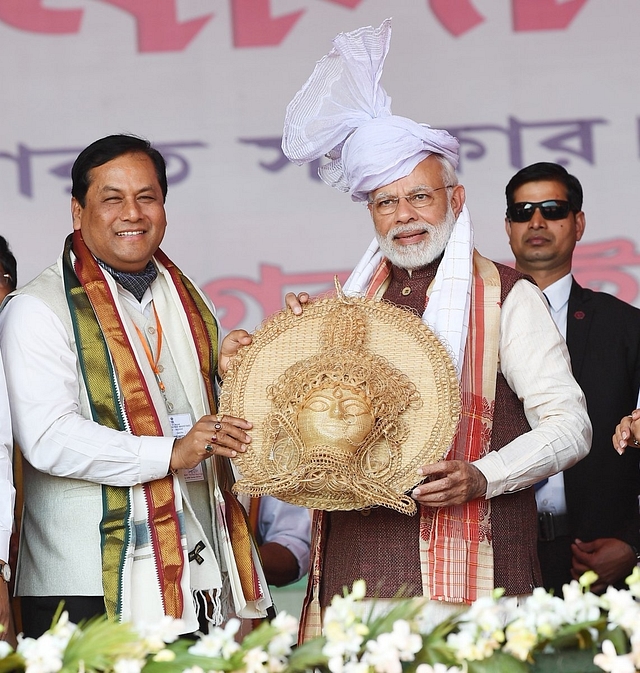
pixel 291 353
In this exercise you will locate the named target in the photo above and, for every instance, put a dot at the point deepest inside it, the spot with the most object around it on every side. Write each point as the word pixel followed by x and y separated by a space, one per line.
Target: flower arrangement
pixel 578 633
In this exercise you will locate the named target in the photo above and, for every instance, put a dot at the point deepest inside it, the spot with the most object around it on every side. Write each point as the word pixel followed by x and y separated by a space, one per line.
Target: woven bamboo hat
pixel 346 401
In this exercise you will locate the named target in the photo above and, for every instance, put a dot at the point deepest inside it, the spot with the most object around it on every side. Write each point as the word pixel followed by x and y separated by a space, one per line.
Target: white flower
pixel 193 669
pixel 587 579
pixel 342 645
pixel 255 660
pixel 63 630
pixel 359 590
pixel 43 655
pixel 437 668
pixel 609 660
pixel 382 659
pixel 164 655
pixel 635 649
pixel 404 640
pixel 285 623
pixel 580 606
pixel 280 645
pixel 468 645
pixel 624 611
pixel 481 629
pixel 543 613
pixel 634 582
pixel 388 650
pixel 219 642
pixel 156 635
pixel 276 664
pixel 356 667
pixel 344 630
pixel 128 665
pixel 5 649
pixel 349 608
pixel 521 639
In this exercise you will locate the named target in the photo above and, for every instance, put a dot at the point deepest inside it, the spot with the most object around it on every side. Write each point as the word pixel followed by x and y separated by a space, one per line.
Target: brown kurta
pixel 381 546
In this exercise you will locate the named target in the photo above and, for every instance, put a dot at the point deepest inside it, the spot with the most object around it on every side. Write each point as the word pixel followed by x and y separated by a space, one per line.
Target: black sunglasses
pixel 550 210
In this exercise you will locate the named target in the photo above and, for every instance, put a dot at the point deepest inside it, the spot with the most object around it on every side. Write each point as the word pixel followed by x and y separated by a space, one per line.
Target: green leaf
pixel 619 639
pixel 308 656
pixel 97 644
pixel 499 662
pixel 406 609
pixel 259 637
pixel 568 661
pixel 436 652
pixel 574 636
pixel 183 659
pixel 13 662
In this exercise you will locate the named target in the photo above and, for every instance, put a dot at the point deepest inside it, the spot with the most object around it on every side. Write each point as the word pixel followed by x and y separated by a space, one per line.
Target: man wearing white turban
pixel 523 415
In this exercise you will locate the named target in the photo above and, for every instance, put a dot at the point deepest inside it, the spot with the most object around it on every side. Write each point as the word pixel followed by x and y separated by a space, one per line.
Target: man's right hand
pixel 210 436
pixel 295 302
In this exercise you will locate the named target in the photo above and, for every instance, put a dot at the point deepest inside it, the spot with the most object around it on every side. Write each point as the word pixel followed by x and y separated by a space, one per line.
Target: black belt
pixel 551 526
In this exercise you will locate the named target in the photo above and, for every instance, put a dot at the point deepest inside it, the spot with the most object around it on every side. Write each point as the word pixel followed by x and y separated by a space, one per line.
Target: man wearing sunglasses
pixel 588 514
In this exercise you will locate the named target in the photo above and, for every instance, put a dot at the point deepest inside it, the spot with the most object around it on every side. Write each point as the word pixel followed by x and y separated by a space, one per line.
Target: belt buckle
pixel 546 529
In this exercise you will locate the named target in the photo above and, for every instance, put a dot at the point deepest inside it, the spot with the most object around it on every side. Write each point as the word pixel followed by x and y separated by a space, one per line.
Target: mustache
pixel 409 229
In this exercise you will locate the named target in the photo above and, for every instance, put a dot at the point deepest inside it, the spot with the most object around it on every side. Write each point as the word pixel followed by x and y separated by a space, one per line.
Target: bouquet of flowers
pixel 577 633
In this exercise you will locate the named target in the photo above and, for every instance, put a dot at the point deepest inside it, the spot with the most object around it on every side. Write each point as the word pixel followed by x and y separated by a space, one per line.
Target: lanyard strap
pixel 153 362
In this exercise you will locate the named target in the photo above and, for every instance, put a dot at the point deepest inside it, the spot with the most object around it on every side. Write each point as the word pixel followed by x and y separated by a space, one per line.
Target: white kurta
pixel 70 456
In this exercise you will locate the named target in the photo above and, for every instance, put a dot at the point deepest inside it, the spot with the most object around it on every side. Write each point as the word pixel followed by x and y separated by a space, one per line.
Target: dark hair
pixel 545 170
pixel 8 262
pixel 108 148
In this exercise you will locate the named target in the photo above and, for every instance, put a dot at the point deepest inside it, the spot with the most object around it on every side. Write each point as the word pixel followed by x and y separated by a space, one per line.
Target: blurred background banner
pixel 208 81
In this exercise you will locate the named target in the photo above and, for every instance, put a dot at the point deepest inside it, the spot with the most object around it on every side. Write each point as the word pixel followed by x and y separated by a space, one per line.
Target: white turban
pixel 344 113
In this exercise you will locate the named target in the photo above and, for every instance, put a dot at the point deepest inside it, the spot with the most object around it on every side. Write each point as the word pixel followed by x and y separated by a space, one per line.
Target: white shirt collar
pixel 557 293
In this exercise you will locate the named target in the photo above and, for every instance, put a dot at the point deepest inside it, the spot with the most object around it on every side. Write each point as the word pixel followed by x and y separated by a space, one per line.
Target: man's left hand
pixel 231 344
pixel 450 482
pixel 610 558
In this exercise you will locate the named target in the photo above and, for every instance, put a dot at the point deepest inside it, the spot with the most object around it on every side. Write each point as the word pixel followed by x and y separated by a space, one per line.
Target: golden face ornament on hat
pixel 347 402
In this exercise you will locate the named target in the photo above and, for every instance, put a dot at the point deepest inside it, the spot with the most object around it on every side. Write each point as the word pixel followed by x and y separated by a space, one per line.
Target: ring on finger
pixel 636 442
pixel 208 448
pixel 217 425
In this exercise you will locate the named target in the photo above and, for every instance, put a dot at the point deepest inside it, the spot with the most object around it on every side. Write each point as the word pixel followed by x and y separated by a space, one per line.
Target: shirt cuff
pixel 492 468
pixel 5 537
pixel 155 457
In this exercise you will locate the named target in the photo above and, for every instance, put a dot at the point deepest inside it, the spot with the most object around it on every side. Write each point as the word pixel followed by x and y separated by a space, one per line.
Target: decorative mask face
pixel 337 416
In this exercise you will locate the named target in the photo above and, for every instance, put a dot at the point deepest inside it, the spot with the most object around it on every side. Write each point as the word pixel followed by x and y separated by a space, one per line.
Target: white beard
pixel 417 255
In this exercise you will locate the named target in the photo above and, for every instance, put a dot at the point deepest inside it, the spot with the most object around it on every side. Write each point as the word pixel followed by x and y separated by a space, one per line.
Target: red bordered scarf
pixel 106 356
pixel 456 554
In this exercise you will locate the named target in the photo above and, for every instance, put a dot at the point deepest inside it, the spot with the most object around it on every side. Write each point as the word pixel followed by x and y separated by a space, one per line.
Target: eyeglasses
pixel 389 204
pixel 550 210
